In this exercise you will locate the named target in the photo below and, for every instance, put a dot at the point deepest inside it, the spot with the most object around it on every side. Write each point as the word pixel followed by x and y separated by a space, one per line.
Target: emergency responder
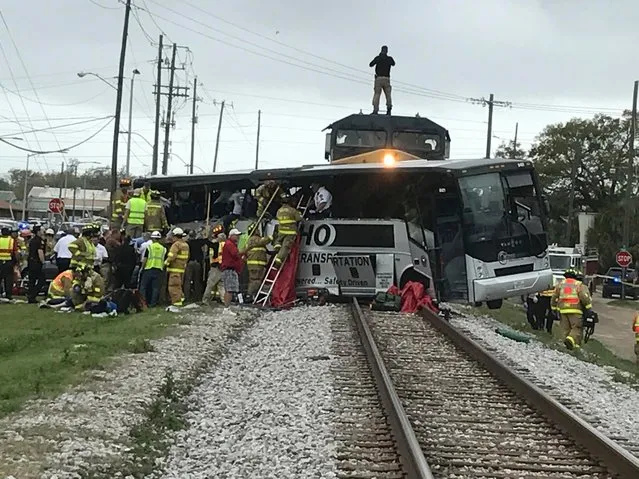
pixel 635 328
pixel 154 214
pixel 152 269
pixel 214 285
pixel 288 218
pixel 193 280
pixel 49 242
pixel 145 193
pixel 87 289
pixel 175 265
pixel 256 259
pixel 60 288
pixel 120 199
pixel 543 315
pixel 571 300
pixel 263 194
pixel 134 215
pixel 8 260
pixel 83 249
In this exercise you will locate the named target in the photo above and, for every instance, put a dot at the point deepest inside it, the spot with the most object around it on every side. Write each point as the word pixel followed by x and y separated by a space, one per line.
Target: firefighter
pixel 287 218
pixel 60 288
pixel 263 194
pixel 146 192
pixel 154 214
pixel 214 285
pixel 8 260
pixel 134 215
pixel 256 259
pixel 152 269
pixel 87 289
pixel 120 199
pixel 571 300
pixel 83 249
pixel 175 265
pixel 635 328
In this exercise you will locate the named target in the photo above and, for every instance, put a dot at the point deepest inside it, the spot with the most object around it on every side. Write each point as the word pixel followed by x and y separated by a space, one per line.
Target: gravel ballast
pixel 265 410
pixel 87 428
pixel 587 388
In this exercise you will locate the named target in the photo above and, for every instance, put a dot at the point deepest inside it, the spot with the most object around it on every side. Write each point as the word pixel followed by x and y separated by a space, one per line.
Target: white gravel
pixel 610 406
pixel 265 411
pixel 88 426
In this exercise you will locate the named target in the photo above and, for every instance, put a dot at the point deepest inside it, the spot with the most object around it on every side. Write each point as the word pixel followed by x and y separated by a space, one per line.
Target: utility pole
pixel 257 144
pixel 118 107
pixel 194 121
pixel 515 141
pixel 217 141
pixel 491 102
pixel 571 199
pixel 165 158
pixel 631 165
pixel 61 180
pixel 158 97
pixel 128 140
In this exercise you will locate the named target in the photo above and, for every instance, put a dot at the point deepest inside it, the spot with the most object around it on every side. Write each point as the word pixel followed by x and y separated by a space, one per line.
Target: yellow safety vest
pixel 6 248
pixel 57 288
pixel 156 256
pixel 217 259
pixel 635 327
pixel 136 213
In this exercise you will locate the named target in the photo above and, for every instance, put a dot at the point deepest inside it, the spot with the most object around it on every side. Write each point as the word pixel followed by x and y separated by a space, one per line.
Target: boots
pixel 388 110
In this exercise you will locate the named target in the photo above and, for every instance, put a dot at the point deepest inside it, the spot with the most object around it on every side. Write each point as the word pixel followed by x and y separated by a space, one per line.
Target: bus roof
pixel 250 178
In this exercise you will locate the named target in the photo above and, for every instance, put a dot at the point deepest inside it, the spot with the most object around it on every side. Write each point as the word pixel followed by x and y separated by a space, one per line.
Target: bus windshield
pixel 502 212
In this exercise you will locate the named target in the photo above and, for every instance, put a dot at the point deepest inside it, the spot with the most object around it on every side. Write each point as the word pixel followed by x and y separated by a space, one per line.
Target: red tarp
pixel 414 297
pixel 283 293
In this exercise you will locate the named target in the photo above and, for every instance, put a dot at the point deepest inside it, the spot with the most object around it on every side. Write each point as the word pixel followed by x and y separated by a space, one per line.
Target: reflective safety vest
pixel 216 260
pixel 570 296
pixel 178 257
pixel 157 252
pixel 6 248
pixel 635 327
pixel 287 217
pixel 60 287
pixel 256 251
pixel 136 213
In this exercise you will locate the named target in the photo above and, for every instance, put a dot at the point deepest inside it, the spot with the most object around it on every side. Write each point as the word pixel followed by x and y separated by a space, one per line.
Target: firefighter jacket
pixel 61 286
pixel 256 250
pixel 571 297
pixel 136 211
pixel 216 258
pixel 7 249
pixel 178 257
pixel 264 192
pixel 154 216
pixel 82 252
pixel 155 256
pixel 635 326
pixel 145 196
pixel 90 289
pixel 288 217
pixel 119 202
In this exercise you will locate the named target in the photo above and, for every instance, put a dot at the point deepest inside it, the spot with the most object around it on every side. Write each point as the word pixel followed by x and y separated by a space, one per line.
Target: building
pixel 89 202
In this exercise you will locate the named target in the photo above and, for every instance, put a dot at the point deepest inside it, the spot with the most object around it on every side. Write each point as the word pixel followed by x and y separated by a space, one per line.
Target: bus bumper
pixel 513 285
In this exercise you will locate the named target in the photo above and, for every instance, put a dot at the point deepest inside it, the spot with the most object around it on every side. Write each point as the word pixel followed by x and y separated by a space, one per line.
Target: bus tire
pixel 494 303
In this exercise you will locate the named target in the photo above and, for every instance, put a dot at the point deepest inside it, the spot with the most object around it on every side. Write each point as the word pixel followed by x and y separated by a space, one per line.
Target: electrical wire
pixel 103 6
pixel 59 126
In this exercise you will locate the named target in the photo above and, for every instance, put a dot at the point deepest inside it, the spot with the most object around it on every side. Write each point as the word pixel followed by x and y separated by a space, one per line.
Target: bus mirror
pixel 327 147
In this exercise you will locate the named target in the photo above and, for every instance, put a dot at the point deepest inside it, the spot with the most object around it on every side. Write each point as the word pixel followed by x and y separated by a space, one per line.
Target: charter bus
pixel 471 231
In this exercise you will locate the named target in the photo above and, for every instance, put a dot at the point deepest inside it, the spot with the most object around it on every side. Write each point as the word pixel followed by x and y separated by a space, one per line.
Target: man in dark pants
pixel 543 316
pixel 531 303
pixel 35 263
pixel 193 278
pixel 8 258
pixel 124 263
pixel 382 63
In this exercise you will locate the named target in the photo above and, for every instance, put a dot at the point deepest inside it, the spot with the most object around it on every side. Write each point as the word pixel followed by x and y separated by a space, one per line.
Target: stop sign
pixel 56 205
pixel 623 258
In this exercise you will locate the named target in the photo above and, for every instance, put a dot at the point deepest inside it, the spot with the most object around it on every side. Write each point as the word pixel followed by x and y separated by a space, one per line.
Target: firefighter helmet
pixel 570 273
pixel 178 232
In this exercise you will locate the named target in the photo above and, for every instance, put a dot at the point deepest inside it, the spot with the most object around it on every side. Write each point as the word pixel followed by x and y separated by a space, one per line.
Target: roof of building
pixel 6 195
pixel 91 200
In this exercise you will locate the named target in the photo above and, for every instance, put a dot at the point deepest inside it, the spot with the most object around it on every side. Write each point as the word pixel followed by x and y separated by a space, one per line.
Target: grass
pixel 624 303
pixel 594 351
pixel 42 352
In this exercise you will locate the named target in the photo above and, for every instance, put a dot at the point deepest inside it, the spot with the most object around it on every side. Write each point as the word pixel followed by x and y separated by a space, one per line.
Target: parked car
pixel 612 284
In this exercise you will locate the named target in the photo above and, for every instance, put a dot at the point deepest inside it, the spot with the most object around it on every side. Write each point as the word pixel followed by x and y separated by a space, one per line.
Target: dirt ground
pixel 615 327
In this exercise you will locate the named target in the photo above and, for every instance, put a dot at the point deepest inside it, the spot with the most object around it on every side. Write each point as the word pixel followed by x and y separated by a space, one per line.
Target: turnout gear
pixel 175 265
pixel 571 299
pixel 83 250
pixel 154 214
pixel 287 218
pixel 7 261
pixel 87 289
pixel 117 207
pixel 256 261
pixel 635 328
pixel 60 287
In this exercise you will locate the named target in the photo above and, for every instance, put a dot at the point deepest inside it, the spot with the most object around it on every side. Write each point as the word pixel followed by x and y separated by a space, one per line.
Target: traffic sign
pixel 56 205
pixel 623 258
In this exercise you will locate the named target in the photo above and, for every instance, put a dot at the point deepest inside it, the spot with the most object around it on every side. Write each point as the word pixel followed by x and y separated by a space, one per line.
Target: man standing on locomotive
pixel 382 63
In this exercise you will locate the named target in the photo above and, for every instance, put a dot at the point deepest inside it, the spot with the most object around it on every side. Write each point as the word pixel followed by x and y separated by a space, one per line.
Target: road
pixel 614 328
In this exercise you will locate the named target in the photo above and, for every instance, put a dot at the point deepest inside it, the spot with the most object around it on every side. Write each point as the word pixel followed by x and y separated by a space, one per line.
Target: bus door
pixel 452 281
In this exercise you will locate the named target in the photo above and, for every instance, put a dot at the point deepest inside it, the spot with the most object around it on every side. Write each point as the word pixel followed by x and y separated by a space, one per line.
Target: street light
pixel 188 168
pixel 137 134
pixel 83 74
pixel 128 144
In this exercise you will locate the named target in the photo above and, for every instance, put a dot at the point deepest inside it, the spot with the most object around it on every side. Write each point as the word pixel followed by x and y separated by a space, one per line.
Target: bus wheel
pixel 478 304
pixel 494 303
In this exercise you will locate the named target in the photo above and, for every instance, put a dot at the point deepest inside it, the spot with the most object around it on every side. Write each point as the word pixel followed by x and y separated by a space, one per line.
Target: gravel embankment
pixel 588 389
pixel 265 410
pixel 87 428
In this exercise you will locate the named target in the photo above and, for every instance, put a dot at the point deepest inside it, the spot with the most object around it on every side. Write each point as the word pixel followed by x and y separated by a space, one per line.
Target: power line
pixel 58 126
pixel 103 6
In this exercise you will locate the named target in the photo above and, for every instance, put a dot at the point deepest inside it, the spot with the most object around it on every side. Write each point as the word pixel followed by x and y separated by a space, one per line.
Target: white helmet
pixel 156 235
pixel 49 231
pixel 178 232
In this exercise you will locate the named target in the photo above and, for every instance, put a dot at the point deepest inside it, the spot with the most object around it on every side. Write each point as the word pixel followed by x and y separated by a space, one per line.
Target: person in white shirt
pixel 322 201
pixel 62 252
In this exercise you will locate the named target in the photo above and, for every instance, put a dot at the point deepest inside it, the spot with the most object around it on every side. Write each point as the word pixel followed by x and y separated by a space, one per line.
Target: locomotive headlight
pixel 389 160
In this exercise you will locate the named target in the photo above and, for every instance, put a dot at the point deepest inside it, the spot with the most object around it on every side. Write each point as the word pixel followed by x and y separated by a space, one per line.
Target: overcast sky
pixel 305 64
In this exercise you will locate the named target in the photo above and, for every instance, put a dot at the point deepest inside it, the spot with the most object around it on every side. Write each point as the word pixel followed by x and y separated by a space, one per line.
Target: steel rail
pixel 409 450
pixel 598 445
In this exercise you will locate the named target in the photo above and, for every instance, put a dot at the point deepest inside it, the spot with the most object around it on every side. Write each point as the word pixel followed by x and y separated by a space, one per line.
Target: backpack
pixel 386 302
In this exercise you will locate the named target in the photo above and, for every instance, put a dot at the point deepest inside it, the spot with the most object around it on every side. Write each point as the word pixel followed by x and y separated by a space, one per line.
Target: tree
pixel 5 185
pixel 510 150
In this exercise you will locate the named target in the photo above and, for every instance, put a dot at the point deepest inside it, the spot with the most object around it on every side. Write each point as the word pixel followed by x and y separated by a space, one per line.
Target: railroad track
pixel 455 411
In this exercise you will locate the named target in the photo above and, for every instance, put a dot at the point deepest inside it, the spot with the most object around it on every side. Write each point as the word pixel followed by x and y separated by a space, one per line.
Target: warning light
pixel 389 160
